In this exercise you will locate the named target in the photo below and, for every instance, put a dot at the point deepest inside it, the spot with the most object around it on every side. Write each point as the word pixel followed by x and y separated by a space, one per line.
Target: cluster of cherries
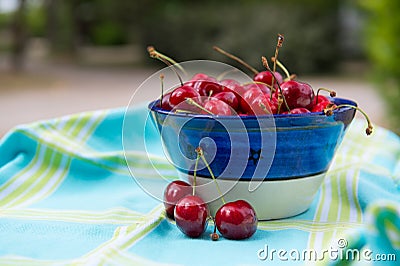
pixel 234 220
pixel 206 95
pixel 269 93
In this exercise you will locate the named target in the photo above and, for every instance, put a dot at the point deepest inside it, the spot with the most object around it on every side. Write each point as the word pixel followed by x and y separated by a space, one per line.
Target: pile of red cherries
pixel 267 94
pixel 234 220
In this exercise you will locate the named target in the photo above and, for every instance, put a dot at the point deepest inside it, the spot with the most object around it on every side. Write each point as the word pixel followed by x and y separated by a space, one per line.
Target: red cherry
pixel 248 97
pixel 217 107
pixel 175 190
pixel 181 93
pixel 191 215
pixel 236 220
pixel 208 87
pixel 266 77
pixel 231 84
pixel 228 97
pixel 236 88
pixel 200 76
pixel 261 86
pixel 165 104
pixel 260 106
pixel 320 99
pixel 320 106
pixel 273 103
pixel 297 94
pixel 300 110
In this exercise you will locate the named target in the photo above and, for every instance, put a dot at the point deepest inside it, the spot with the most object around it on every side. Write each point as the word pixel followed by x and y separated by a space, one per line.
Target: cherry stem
pixel 265 64
pixel 166 60
pixel 259 82
pixel 278 45
pixel 162 89
pixel 237 59
pixel 281 66
pixel 192 102
pixel 199 151
pixel 195 173
pixel 214 236
pixel 369 128
pixel 183 111
pixel 264 108
pixel 280 100
pixel 156 54
pixel 332 93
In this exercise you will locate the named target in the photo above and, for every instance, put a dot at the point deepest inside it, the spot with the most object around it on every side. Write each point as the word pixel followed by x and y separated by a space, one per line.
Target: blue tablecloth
pixel 67 197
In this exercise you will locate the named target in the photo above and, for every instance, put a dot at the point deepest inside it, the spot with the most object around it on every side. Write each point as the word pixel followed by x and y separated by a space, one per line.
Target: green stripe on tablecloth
pixel 112 216
pixel 305 225
pixel 55 172
pixel 338 202
pixel 343 176
pixel 112 161
pixel 26 182
pixel 52 166
pixel 124 237
pixel 111 251
pixel 15 179
pixel 393 233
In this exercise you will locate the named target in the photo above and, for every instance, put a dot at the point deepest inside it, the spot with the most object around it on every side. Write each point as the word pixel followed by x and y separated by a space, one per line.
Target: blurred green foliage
pixel 5 19
pixel 382 41
pixel 36 21
pixel 108 33
pixel 188 30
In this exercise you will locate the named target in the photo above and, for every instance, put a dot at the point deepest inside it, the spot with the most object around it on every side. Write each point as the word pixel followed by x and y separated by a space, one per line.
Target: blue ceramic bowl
pixel 268 147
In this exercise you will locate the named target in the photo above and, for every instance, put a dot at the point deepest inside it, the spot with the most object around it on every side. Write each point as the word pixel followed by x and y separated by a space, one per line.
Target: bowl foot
pixel 275 199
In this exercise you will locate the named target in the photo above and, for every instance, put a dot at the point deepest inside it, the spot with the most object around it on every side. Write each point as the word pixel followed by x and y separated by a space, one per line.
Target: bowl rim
pixel 154 107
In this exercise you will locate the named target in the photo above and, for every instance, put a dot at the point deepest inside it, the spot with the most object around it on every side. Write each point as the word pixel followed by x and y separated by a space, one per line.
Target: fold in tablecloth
pixel 67 197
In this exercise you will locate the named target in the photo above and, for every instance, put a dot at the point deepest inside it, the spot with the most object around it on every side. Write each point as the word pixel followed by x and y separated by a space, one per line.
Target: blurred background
pixel 61 57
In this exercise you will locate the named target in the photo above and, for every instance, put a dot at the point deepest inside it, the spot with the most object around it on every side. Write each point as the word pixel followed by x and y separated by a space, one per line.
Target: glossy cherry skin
pixel 191 215
pixel 231 84
pixel 266 77
pixel 320 106
pixel 200 76
pixel 260 106
pixel 208 87
pixel 181 93
pixel 236 220
pixel 297 94
pixel 261 86
pixel 228 97
pixel 273 103
pixel 320 99
pixel 217 107
pixel 165 104
pixel 300 110
pixel 246 101
pixel 174 191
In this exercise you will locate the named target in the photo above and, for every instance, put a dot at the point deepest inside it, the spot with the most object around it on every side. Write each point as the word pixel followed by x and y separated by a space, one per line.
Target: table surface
pixel 67 197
